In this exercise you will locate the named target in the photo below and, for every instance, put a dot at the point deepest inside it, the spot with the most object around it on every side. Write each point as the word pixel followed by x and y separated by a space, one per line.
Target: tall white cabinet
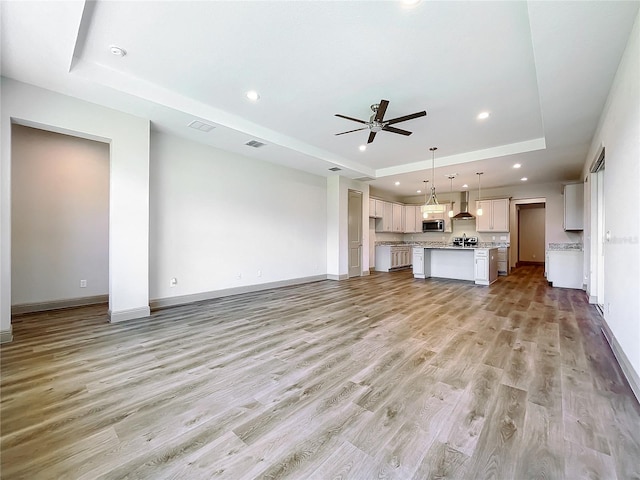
pixel 573 206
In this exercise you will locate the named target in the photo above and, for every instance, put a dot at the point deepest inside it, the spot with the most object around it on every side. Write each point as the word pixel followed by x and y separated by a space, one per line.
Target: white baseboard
pixel 131 314
pixel 198 297
pixel 58 304
pixel 365 273
pixel 6 336
pixel 331 276
pixel 628 370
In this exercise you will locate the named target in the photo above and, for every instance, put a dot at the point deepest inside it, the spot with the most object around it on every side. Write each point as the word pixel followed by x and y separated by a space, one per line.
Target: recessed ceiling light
pixel 397 183
pixel 117 51
pixel 483 115
pixel 517 165
pixel 418 191
pixel 524 179
pixel 465 186
pixel 362 148
pixel 253 95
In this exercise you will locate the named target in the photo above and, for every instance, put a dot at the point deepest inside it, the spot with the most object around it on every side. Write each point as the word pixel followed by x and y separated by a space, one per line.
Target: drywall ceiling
pixel 542 70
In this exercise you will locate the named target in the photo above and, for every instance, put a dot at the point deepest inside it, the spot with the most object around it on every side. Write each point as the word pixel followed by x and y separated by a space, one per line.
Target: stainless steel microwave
pixel 433 225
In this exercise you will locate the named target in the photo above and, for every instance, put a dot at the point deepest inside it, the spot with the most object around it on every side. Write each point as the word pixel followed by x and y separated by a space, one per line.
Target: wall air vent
pixel 335 169
pixel 203 127
pixel 255 144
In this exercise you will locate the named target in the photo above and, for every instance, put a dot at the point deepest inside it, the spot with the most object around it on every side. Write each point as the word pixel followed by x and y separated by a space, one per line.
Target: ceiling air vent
pixel 203 127
pixel 364 179
pixel 255 144
pixel 335 169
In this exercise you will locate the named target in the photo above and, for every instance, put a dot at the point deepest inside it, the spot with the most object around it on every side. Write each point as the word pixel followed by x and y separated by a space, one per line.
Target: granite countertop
pixel 442 245
pixel 436 245
pixel 565 246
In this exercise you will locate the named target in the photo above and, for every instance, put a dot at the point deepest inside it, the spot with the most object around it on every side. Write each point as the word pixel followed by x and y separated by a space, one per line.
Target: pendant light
pixel 479 210
pixel 432 205
pixel 451 176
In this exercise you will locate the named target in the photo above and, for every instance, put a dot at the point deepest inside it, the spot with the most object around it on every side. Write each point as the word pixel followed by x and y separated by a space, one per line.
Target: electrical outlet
pixel 173 282
pixel 259 273
pixel 239 276
pixel 83 284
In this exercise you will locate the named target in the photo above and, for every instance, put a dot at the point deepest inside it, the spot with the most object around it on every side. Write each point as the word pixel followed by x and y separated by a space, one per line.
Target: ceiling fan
pixel 377 123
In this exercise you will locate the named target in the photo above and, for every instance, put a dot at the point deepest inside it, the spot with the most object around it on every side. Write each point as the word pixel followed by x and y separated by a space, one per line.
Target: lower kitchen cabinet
pixel 390 257
pixel 418 262
pixel 486 265
pixel 564 268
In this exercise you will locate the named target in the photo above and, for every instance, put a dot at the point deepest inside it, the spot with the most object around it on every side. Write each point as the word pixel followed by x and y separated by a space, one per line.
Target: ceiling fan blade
pixel 372 135
pixel 387 128
pixel 356 130
pixel 350 118
pixel 405 118
pixel 382 108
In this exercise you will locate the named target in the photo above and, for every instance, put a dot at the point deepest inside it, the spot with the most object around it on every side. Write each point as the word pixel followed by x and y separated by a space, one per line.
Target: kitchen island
pixel 479 265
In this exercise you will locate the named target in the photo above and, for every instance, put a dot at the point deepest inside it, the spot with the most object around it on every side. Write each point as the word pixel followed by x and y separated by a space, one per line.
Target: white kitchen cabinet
pixel 418 262
pixel 486 265
pixel 564 268
pixel 398 217
pixel 385 223
pixel 419 219
pixel 410 219
pixel 372 208
pixel 573 206
pixel 389 257
pixel 495 215
pixel 379 208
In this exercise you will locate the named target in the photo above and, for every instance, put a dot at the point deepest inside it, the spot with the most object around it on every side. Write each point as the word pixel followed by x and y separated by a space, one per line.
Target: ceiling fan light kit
pixel 377 123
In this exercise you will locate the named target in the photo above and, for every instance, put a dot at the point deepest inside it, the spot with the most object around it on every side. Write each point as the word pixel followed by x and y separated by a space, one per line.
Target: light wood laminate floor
pixel 370 378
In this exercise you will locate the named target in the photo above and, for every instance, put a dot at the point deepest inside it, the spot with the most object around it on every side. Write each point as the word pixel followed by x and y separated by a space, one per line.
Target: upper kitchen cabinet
pixel 398 218
pixel 573 206
pixel 411 224
pixel 495 215
pixel 376 208
pixel 387 222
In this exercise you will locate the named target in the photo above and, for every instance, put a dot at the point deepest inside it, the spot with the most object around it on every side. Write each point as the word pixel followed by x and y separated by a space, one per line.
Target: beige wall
pixel 60 216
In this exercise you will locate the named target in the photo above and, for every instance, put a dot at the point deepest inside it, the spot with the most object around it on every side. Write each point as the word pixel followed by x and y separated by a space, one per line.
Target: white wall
pixel 531 244
pixel 128 191
pixel 619 132
pixel 60 216
pixel 219 220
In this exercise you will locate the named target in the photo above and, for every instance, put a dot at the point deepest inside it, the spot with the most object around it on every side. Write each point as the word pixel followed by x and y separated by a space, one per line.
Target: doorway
pixel 531 234
pixel 59 220
pixel 355 233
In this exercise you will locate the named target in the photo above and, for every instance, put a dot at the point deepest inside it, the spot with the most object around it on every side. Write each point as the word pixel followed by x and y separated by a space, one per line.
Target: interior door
pixel 355 233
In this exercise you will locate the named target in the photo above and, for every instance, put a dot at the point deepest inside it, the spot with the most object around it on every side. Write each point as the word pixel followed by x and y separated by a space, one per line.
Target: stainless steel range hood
pixel 464 207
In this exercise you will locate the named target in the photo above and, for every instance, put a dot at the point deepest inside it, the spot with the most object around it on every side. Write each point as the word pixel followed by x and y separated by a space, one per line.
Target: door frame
pixel 514 232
